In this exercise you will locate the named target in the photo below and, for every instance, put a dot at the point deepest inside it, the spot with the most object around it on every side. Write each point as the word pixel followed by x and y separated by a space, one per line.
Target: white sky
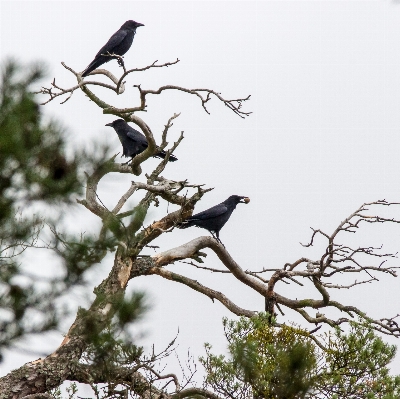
pixel 324 79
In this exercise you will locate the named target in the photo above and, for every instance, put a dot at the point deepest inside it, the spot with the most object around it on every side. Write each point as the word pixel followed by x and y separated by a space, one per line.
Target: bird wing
pixel 137 136
pixel 210 213
pixel 113 41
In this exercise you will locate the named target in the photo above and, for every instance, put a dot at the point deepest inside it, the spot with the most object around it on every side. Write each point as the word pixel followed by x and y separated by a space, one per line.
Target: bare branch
pixel 235 105
pixel 119 87
pixel 166 128
pixel 55 90
pixel 312 270
pixel 291 266
pixel 203 94
pixel 315 232
pixel 153 65
pixel 124 198
pixel 330 285
pixel 195 285
pixel 203 267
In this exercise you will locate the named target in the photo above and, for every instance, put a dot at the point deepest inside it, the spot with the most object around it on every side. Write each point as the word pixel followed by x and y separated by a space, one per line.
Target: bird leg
pixel 216 237
pixel 128 162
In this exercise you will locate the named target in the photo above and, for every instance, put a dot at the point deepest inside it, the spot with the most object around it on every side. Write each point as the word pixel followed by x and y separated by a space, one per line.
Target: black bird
pixel 213 219
pixel 133 142
pixel 119 43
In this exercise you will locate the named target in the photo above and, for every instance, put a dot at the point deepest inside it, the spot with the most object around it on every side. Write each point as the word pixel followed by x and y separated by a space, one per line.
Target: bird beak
pixel 246 200
pixel 139 24
pixel 109 124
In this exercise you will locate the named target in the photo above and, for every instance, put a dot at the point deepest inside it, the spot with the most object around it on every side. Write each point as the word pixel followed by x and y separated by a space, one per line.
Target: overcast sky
pixel 324 79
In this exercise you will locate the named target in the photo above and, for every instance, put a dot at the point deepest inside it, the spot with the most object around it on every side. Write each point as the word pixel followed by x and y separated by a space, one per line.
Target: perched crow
pixel 133 142
pixel 213 219
pixel 119 43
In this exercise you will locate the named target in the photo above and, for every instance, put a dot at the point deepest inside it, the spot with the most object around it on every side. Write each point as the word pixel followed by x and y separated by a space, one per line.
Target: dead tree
pixel 41 375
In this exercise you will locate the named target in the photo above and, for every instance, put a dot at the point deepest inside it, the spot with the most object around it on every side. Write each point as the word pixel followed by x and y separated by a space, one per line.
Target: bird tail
pixel 162 154
pixel 94 65
pixel 184 224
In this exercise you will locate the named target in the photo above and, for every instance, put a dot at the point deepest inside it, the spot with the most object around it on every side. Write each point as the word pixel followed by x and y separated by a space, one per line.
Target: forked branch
pixel 203 94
